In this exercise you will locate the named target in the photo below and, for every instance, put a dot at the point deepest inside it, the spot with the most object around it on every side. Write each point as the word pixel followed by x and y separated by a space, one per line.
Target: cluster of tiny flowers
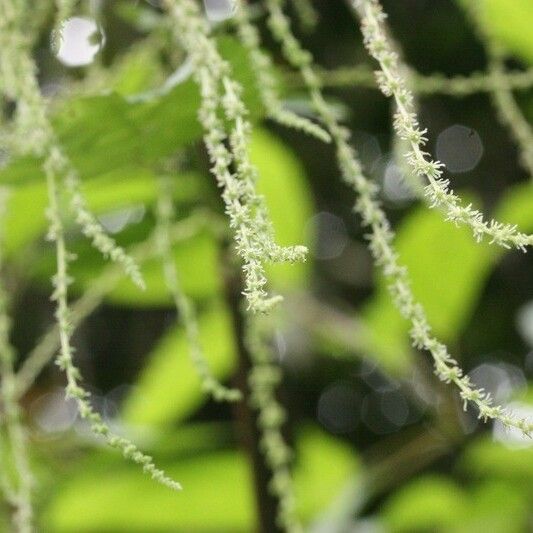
pixel 65 359
pixel 381 238
pixel 266 81
pixel 223 117
pixel 19 80
pixel 17 493
pixel 263 379
pixel 94 231
pixel 382 249
pixel 456 86
pixel 438 190
pixel 184 306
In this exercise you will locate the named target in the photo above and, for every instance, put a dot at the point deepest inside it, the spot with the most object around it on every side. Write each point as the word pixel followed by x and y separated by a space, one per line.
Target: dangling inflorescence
pixel 227 130
pixel 438 192
pixel 458 86
pixel 18 74
pixel 34 134
pixel 65 359
pixel 248 217
pixel 184 306
pixel 18 491
pixel 266 82
pixel 267 85
pixel 263 379
pixel 381 235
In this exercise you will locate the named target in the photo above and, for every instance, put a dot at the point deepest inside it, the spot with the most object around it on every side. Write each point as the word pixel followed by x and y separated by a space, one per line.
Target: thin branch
pixel 424 85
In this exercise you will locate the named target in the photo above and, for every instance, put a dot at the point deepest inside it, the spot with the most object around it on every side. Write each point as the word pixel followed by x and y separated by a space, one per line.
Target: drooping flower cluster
pixel 263 379
pixel 19 81
pixel 184 306
pixel 438 191
pixel 381 236
pixel 223 116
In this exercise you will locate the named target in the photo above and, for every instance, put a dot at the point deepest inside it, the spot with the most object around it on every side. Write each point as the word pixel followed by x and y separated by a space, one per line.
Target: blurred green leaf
pixel 485 458
pixel 137 70
pixel 510 22
pixel 448 270
pixel 430 503
pixel 21 229
pixel 496 507
pixel 434 503
pixel 283 183
pixel 324 466
pixel 199 254
pixel 169 388
pixel 217 491
pixel 135 132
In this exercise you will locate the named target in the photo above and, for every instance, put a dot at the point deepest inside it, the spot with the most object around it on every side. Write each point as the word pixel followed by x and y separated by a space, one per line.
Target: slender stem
pixel 424 85
pixel 246 418
pixel 184 305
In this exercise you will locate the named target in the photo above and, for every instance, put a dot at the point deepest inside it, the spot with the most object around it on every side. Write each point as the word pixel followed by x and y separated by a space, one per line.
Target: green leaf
pixel 137 70
pixel 496 507
pixel 437 504
pixel 448 270
pixel 168 388
pixel 486 458
pixel 431 503
pixel 510 23
pixel 197 255
pixel 217 491
pixel 133 132
pixel 324 466
pixel 284 185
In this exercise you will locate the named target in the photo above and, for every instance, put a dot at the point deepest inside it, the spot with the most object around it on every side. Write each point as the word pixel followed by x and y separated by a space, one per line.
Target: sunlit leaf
pixel 283 182
pixel 487 458
pixel 448 270
pixel 427 504
pixel 435 503
pixel 217 491
pixel 510 22
pixel 169 388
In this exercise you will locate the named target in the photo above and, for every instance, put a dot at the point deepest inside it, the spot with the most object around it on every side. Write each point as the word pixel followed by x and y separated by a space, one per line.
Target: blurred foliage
pixel 218 485
pixel 117 139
